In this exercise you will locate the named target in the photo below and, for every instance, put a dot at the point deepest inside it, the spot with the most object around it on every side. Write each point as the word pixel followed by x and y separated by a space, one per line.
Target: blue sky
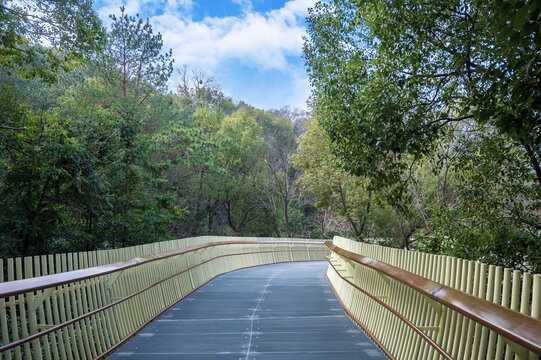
pixel 252 48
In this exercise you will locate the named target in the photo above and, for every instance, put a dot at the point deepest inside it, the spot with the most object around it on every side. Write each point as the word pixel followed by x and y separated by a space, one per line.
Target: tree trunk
pixel 286 217
pixel 533 160
pixel 405 232
pixel 346 213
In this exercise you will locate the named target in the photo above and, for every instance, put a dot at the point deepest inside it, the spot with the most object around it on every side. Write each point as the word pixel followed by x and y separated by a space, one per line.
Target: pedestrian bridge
pixel 279 311
pixel 209 298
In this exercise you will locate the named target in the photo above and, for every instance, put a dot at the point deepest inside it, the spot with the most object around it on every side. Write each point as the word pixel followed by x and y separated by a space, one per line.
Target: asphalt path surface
pixel 273 312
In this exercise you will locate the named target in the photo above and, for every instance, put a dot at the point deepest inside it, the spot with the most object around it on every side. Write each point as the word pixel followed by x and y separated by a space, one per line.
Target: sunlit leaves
pixel 393 80
pixel 43 37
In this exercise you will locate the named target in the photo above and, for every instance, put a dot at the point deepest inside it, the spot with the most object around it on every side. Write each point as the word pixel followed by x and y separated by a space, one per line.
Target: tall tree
pixel 281 145
pixel 115 110
pixel 193 151
pixel 334 190
pixel 38 169
pixel 391 77
pixel 241 158
pixel 136 70
pixel 40 156
pixel 394 80
pixel 495 217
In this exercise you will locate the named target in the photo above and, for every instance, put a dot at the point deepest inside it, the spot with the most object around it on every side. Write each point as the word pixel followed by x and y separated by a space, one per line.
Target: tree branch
pixel 13 128
pixel 449 120
pixel 533 160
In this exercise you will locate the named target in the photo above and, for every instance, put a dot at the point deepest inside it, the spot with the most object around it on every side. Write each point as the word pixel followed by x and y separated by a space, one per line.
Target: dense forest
pixel 412 141
pixel 99 152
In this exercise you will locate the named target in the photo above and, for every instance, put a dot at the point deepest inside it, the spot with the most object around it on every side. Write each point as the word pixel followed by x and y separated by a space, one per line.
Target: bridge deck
pixel 272 312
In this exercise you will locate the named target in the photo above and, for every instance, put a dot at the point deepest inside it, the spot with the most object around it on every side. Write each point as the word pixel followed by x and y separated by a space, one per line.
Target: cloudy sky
pixel 252 48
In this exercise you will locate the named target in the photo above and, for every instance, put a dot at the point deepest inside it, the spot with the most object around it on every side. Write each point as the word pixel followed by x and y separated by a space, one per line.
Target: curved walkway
pixel 272 312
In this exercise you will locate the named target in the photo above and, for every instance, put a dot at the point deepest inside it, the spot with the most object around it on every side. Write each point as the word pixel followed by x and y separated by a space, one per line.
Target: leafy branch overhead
pixel 394 77
pixel 449 85
pixel 42 37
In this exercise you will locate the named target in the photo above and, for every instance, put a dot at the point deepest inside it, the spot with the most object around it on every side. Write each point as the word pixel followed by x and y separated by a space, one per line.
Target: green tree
pixel 200 89
pixel 113 213
pixel 38 169
pixel 279 189
pixel 135 51
pixel 241 157
pixel 39 40
pixel 42 37
pixel 496 213
pixel 189 144
pixel 41 159
pixel 391 77
pixel 115 111
pixel 334 190
pixel 192 150
pixel 135 71
pixel 395 81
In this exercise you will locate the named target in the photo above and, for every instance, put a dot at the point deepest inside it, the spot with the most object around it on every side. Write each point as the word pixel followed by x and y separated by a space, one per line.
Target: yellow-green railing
pixel 423 306
pixel 88 312
pixel 33 266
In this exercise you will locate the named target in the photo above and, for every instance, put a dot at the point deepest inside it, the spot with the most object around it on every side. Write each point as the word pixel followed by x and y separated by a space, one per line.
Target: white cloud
pixel 301 90
pixel 149 7
pixel 178 6
pixel 246 5
pixel 259 40
pixel 113 7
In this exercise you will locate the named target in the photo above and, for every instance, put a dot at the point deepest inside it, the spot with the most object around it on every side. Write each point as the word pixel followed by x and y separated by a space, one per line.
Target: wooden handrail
pixel 519 328
pixel 16 287
pixel 419 332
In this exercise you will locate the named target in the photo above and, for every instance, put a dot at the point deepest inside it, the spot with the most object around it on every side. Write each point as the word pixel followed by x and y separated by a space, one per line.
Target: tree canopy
pixel 450 86
pixel 42 37
pixel 391 78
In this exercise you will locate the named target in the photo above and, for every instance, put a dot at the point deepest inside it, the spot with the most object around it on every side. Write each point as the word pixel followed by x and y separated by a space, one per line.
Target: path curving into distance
pixel 273 312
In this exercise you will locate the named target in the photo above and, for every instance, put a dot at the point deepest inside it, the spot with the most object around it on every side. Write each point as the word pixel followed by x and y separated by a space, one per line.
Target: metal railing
pixel 423 306
pixel 89 312
pixel 33 266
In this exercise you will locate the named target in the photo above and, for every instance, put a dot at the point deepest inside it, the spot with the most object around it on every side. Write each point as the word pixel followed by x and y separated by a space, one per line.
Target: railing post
pixel 536 306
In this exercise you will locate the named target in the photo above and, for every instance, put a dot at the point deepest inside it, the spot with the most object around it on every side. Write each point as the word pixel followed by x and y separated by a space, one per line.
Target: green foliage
pixel 135 52
pixel 99 156
pixel 112 112
pixel 71 28
pixel 84 168
pixel 496 217
pixel 41 163
pixel 191 149
pixel 119 199
pixel 437 106
pixel 241 147
pixel 337 192
pixel 427 134
pixel 393 78
pixel 229 165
